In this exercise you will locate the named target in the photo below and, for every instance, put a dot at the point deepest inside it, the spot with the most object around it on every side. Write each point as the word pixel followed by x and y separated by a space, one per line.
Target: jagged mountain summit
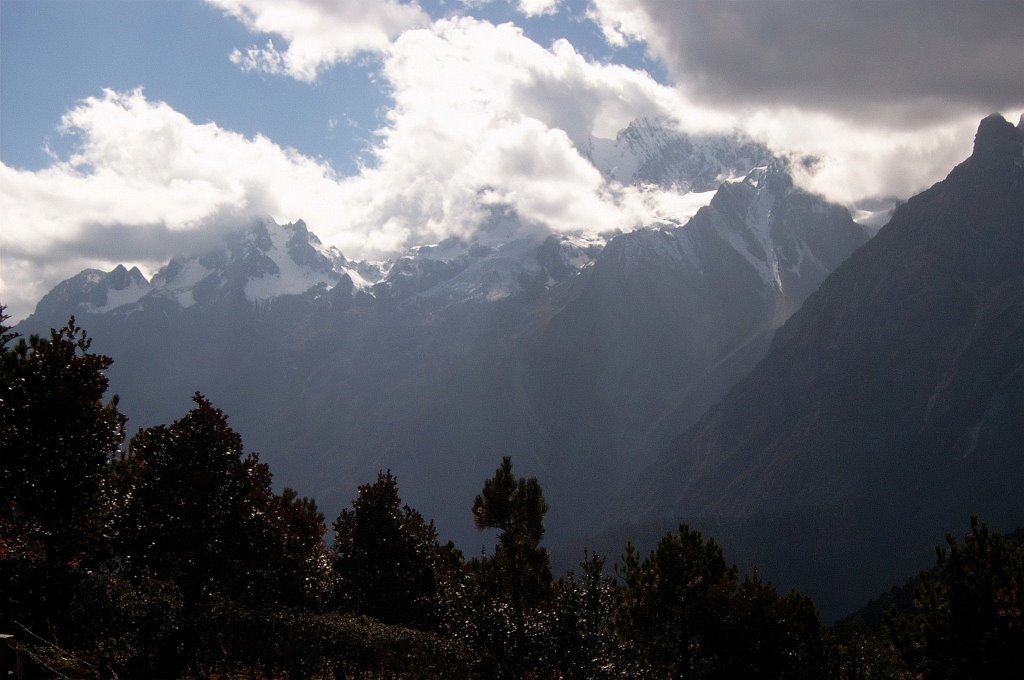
pixel 650 152
pixel 576 354
pixel 889 408
pixel 257 264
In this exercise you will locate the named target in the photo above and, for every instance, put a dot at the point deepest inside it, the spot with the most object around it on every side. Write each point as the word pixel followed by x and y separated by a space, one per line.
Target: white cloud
pixel 856 161
pixel 534 8
pixel 318 33
pixel 879 94
pixel 143 181
pixel 621 21
pixel 483 115
pixel 895 63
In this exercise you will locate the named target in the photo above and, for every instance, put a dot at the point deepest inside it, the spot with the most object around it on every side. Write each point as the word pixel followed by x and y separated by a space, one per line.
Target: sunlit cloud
pixel 317 34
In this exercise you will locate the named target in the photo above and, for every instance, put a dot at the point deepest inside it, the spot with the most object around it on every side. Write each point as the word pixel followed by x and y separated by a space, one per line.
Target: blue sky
pixel 55 53
pixel 128 128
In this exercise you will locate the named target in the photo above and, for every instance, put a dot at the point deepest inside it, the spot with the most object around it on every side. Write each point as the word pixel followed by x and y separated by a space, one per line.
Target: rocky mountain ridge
pixel 569 352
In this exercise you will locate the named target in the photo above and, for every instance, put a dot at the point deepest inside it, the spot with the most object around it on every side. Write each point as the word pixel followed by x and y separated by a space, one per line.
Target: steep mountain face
pixel 667 320
pixel 574 356
pixel 889 408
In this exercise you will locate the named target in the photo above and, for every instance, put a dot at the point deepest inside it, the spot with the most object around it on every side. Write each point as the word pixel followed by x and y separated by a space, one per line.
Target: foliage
pixel 670 609
pixel 176 559
pixel 300 569
pixel 968 615
pixel 518 574
pixel 132 628
pixel 196 511
pixel 56 438
pixel 682 612
pixel 239 642
pixel 580 641
pixel 516 507
pixel 387 561
pixel 775 636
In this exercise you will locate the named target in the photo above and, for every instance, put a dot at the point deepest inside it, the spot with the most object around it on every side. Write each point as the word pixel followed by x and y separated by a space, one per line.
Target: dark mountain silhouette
pixel 888 409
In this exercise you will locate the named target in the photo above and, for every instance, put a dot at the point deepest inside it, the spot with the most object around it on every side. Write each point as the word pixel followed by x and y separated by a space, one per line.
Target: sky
pixel 133 130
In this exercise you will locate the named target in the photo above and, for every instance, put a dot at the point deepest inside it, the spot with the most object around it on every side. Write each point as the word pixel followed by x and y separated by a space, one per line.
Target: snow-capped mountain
pixel 266 261
pixel 569 351
pixel 262 262
pixel 456 270
pixel 650 151
pixel 95 291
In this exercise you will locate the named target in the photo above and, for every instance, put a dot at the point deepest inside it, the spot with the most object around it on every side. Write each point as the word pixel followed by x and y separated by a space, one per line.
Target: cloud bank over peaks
pixel 484 122
pixel 319 33
pixel 484 116
pixel 886 96
pixel 143 183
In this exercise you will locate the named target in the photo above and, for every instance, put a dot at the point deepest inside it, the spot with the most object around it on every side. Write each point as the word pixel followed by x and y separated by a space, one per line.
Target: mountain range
pixel 569 352
pixel 860 377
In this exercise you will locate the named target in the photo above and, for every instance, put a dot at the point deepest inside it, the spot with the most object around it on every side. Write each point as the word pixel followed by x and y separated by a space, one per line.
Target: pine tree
pixel 683 612
pixel 197 510
pixel 968 616
pixel 519 570
pixel 56 440
pixel 387 560
pixel 301 567
pixel 669 611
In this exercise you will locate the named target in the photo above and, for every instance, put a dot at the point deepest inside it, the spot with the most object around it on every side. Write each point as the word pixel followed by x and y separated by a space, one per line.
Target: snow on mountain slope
pixel 299 265
pixel 124 287
pixel 755 242
pixel 502 258
pixel 649 151
pixel 96 291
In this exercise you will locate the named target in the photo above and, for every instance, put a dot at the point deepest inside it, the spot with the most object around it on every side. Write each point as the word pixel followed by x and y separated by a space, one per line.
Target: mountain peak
pixel 994 132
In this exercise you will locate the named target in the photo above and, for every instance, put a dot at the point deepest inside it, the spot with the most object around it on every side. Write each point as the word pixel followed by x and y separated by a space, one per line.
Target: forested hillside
pixel 171 556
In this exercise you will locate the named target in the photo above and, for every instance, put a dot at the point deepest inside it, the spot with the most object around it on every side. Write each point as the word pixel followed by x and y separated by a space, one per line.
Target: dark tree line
pixel 171 556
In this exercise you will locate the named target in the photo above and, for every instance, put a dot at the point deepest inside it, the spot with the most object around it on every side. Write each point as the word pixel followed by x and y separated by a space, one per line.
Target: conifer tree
pixel 56 439
pixel 670 609
pixel 968 615
pixel 519 569
pixel 196 510
pixel 300 570
pixel 682 612
pixel 387 560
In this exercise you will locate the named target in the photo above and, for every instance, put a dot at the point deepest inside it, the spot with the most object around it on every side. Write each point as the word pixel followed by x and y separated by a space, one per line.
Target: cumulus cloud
pixel 534 8
pixel 141 172
pixel 901 62
pixel 318 33
pixel 484 117
pixel 886 96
